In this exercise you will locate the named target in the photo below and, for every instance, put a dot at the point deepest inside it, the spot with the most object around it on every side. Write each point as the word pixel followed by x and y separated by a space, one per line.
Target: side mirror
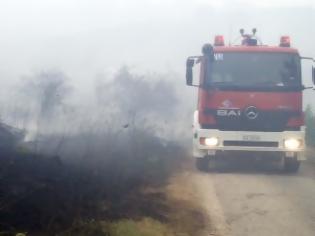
pixel 189 72
pixel 313 75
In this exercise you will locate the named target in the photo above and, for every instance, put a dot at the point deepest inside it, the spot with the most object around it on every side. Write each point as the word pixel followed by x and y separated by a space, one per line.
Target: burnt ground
pixel 44 195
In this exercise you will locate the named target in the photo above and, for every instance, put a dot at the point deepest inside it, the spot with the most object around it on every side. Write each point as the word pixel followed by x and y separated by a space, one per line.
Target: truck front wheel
pixel 291 165
pixel 206 163
pixel 202 163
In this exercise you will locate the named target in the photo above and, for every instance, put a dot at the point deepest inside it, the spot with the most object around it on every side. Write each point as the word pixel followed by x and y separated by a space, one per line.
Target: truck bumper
pixel 247 141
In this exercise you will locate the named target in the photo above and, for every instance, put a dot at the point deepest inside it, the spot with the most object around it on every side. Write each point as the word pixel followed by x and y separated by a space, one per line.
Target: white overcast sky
pixel 85 38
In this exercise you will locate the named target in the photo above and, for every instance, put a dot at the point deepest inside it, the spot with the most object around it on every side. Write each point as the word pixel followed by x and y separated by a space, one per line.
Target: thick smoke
pixel 91 157
pixel 127 110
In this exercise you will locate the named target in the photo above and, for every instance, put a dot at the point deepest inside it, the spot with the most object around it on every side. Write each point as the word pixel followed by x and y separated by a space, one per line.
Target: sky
pixel 89 38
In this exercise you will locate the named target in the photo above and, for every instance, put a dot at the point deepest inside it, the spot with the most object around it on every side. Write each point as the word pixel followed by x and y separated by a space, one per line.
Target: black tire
pixel 202 164
pixel 291 165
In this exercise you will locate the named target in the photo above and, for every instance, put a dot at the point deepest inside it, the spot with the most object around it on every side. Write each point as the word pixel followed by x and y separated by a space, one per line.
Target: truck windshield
pixel 255 70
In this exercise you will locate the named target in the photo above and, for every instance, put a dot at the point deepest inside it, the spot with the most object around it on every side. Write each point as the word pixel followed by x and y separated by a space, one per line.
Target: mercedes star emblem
pixel 251 112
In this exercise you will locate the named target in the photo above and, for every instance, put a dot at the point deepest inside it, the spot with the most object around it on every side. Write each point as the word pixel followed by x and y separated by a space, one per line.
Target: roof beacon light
pixel 285 41
pixel 219 40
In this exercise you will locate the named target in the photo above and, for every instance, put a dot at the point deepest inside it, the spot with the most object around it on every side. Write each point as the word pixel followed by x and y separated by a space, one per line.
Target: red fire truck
pixel 249 102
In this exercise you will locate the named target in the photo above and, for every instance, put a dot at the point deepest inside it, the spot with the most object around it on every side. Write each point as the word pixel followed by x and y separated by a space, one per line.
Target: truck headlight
pixel 292 143
pixel 211 142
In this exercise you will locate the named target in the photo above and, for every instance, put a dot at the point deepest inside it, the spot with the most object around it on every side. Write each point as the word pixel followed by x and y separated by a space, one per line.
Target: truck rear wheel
pixel 291 165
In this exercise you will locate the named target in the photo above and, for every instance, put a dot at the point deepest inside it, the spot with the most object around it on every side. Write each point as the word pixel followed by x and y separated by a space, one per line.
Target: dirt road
pixel 256 203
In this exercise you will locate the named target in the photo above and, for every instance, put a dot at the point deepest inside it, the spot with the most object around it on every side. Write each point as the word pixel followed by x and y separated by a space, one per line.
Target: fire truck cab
pixel 249 102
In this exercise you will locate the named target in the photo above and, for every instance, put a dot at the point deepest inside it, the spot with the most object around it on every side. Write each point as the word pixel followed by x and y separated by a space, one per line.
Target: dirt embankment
pixel 198 210
pixel 183 208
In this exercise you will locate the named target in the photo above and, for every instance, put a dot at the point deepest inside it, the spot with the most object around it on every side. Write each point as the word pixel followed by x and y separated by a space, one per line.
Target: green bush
pixel 310 126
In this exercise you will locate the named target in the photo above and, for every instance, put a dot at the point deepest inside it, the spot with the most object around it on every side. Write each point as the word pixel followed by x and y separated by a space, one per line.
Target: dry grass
pixel 187 216
pixel 125 227
pixel 144 227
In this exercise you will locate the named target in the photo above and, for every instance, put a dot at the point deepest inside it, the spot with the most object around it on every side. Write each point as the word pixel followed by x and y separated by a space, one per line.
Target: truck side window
pixel 290 72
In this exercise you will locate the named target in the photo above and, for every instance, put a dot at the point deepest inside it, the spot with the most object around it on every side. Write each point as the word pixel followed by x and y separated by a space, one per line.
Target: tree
pixel 139 99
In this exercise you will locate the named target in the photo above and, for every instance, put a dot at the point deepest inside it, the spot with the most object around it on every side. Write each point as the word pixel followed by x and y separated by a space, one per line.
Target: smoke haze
pixel 89 41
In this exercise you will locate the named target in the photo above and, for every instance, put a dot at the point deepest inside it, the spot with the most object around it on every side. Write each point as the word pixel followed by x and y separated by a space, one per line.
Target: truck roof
pixel 255 49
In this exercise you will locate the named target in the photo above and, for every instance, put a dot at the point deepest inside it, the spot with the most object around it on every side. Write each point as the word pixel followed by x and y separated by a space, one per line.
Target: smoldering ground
pixel 89 160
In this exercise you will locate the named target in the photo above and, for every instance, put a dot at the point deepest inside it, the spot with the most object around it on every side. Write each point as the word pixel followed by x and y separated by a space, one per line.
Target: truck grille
pixel 250 144
pixel 267 121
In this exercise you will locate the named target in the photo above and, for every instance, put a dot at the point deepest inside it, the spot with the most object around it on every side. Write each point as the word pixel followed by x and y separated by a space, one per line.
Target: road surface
pixel 251 202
